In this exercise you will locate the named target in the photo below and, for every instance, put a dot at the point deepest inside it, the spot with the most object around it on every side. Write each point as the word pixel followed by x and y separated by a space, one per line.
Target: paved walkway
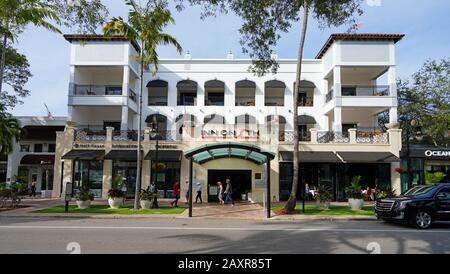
pixel 244 210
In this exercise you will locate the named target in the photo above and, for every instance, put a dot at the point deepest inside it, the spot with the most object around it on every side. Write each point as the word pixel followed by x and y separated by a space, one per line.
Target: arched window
pixel 245 91
pixel 158 123
pixel 246 126
pixel 306 94
pixel 214 119
pixel 214 93
pixel 187 93
pixel 305 123
pixel 274 93
pixel 157 93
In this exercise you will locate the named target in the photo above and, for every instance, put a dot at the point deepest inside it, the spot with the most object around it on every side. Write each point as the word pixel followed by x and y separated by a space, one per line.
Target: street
pixel 89 235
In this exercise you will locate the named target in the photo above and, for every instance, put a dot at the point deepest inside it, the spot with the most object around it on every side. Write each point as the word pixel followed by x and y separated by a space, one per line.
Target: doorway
pixel 241 181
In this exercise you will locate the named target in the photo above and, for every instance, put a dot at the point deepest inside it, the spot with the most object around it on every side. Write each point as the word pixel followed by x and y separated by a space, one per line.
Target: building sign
pixel 89 145
pixel 230 134
pixel 167 146
pixel 260 184
pixel 125 146
pixel 437 153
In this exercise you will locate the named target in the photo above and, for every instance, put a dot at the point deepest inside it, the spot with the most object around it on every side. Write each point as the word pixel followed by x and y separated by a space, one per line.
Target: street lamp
pixel 412 126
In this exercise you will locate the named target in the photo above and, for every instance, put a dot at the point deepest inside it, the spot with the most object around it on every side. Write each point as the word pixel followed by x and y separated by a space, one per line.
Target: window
pixel 346 127
pixel 113 90
pixel 47 179
pixel 24 148
pixel 446 192
pixel 187 93
pixel 88 174
pixel 51 147
pixel 245 93
pixel 214 93
pixel 157 93
pixel 127 170
pixel 348 91
pixel 115 125
pixel 166 175
pixel 38 147
pixel 274 93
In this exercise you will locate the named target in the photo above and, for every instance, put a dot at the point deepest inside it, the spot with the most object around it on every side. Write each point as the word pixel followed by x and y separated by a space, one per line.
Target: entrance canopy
pixel 32 159
pixel 210 152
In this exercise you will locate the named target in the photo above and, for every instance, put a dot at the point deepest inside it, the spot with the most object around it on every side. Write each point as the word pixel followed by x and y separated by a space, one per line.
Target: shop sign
pixel 437 153
pixel 89 145
pixel 230 134
pixel 260 184
pixel 167 146
pixel 125 146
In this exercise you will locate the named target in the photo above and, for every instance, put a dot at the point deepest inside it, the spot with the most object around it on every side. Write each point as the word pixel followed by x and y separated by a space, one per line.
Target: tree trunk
pixel 139 160
pixel 3 60
pixel 291 203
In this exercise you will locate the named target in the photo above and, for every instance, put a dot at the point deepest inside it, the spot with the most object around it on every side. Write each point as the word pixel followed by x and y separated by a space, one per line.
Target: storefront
pixel 165 170
pixel 335 171
pixel 425 162
pixel 3 167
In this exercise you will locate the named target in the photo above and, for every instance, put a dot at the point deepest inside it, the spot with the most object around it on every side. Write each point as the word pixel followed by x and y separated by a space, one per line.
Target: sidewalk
pixel 245 211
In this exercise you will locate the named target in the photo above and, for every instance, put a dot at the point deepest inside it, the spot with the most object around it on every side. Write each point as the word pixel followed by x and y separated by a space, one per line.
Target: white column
pixel 393 115
pixel 392 82
pixel 72 81
pixel 126 81
pixel 337 126
pixel 124 120
pixel 337 86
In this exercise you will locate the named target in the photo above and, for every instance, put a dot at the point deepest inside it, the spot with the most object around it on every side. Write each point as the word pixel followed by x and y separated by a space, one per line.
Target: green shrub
pixel 323 195
pixel 84 195
pixel 434 178
pixel 354 191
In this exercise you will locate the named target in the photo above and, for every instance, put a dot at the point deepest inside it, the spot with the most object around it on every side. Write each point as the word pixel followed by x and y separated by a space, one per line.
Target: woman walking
pixel 220 192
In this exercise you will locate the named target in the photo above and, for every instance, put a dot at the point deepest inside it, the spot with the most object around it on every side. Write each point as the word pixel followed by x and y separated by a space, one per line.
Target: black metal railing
pixel 330 95
pixel 97 90
pixel 133 96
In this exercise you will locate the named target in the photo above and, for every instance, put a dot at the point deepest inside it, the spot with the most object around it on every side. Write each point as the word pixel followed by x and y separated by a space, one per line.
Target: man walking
pixel 229 192
pixel 176 193
pixel 199 192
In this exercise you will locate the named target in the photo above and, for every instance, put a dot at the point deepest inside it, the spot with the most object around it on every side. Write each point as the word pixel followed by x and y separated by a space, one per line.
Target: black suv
pixel 419 206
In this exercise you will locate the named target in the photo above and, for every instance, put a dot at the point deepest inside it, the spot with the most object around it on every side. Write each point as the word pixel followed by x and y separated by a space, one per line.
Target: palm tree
pixel 9 130
pixel 15 15
pixel 145 27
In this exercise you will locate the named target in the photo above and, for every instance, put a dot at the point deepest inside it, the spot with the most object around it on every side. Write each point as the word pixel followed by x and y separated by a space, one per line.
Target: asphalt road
pixel 57 235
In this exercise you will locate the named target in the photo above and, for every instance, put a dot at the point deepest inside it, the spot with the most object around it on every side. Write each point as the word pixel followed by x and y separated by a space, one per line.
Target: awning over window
pixel 165 155
pixel 124 155
pixel 210 152
pixel 311 157
pixel 368 157
pixel 85 154
pixel 305 120
pixel 32 159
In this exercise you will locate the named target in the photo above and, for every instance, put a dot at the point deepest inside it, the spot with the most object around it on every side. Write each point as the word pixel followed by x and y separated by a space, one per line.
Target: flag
pixel 49 114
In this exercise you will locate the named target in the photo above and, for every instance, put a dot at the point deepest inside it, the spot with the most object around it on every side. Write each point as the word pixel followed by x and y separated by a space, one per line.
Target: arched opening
pixel 245 91
pixel 305 123
pixel 272 121
pixel 157 93
pixel 274 93
pixel 246 127
pixel 213 125
pixel 158 123
pixel 214 93
pixel 306 94
pixel 185 123
pixel 187 93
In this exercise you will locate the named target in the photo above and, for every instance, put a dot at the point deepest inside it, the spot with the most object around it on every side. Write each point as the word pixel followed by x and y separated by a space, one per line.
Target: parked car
pixel 421 206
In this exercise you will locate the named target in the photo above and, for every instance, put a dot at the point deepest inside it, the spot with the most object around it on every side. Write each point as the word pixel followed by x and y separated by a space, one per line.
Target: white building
pixel 217 101
pixel 33 156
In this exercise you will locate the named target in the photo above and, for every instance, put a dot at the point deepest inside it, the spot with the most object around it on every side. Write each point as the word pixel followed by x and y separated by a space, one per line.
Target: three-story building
pixel 228 120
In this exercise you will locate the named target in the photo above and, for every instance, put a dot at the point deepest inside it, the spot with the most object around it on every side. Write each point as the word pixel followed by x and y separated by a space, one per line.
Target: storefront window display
pixel 88 173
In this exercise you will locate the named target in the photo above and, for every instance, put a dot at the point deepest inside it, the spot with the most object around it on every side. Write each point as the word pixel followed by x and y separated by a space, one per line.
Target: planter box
pixel 115 202
pixel 356 204
pixel 145 204
pixel 83 204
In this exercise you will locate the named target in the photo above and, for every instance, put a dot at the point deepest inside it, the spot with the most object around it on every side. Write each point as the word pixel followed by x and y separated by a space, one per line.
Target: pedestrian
pixel 124 189
pixel 220 192
pixel 188 193
pixel 154 191
pixel 176 193
pixel 33 188
pixel 199 192
pixel 229 192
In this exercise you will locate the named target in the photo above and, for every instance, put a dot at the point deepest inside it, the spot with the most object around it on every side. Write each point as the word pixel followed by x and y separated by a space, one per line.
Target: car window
pixel 423 190
pixel 446 191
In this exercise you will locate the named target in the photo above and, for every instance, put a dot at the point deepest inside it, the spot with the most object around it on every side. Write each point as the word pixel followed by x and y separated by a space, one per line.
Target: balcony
pixel 274 101
pixel 364 91
pixel 97 90
pixel 245 101
pixel 99 95
pixel 157 100
pixel 363 136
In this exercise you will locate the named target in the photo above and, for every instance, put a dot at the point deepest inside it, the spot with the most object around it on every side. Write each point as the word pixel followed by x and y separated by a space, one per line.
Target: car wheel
pixel 422 219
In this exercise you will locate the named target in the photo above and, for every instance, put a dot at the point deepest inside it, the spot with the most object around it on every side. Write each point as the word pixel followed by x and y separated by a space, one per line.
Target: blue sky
pixel 424 22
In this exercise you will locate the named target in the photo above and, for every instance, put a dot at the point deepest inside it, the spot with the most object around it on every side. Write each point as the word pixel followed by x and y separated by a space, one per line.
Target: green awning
pixel 210 152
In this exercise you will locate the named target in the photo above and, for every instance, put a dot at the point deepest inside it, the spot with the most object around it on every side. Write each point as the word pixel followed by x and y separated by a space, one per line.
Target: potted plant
pixel 145 198
pixel 84 198
pixel 115 195
pixel 323 197
pixel 354 194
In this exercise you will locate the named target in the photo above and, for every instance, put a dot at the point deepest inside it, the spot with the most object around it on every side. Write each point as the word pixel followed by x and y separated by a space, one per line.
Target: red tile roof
pixel 98 37
pixel 358 37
